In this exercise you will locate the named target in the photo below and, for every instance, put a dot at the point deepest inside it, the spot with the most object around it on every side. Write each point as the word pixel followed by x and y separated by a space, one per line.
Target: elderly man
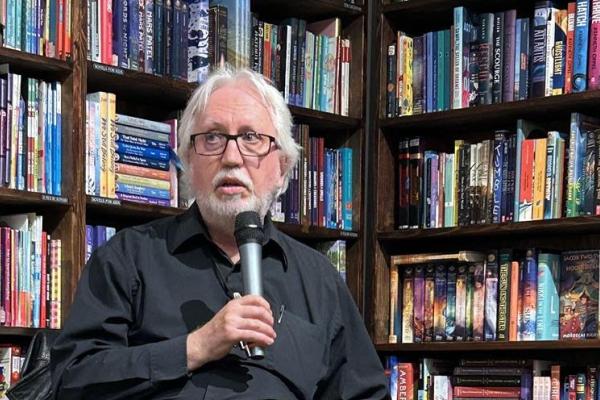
pixel 156 314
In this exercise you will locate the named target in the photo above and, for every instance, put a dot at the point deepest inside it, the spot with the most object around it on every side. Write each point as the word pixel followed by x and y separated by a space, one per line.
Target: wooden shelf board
pixel 323 120
pixel 551 345
pixel 503 114
pixel 18 331
pixel 99 206
pixel 137 85
pixel 306 9
pixel 583 224
pixel 23 198
pixel 307 232
pixel 21 61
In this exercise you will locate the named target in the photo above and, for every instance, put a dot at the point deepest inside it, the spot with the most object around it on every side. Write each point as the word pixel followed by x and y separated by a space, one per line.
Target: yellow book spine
pixel 138 180
pixel 457 145
pixel 105 143
pixel 112 136
pixel 539 178
pixel 393 337
pixel 407 90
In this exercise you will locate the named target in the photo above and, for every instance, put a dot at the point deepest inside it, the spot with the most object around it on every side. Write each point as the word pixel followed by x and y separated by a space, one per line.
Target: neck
pixel 226 242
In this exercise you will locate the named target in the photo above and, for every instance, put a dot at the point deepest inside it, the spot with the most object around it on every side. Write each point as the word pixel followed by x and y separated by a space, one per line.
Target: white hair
pixel 272 98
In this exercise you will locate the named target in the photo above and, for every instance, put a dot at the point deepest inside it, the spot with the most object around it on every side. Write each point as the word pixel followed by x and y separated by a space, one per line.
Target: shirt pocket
pixel 298 352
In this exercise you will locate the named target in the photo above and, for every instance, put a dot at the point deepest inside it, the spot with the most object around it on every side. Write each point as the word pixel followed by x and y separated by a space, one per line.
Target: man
pixel 156 314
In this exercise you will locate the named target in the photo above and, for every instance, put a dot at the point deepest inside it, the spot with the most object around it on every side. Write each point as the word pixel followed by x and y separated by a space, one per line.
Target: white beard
pixel 220 212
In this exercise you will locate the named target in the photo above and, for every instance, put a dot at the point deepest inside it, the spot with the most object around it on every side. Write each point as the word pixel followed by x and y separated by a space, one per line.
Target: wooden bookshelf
pixel 316 233
pixel 567 226
pixel 157 97
pixel 23 198
pixel 21 62
pixel 432 348
pixel 439 129
pixel 307 9
pixel 495 116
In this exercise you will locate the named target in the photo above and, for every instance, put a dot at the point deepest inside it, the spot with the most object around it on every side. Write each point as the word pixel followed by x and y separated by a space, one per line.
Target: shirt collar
pixel 190 224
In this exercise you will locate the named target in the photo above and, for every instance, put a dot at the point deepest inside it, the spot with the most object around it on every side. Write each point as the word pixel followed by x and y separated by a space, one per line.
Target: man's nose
pixel 232 155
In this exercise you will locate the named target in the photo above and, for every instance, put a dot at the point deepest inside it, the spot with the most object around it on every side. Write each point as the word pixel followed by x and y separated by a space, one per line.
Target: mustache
pixel 232 174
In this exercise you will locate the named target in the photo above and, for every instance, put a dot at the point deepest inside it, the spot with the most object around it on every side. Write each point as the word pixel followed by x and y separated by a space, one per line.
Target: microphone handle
pixel 251 259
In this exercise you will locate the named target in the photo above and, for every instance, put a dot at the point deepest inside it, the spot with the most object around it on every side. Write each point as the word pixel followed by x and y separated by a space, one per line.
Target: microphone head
pixel 248 228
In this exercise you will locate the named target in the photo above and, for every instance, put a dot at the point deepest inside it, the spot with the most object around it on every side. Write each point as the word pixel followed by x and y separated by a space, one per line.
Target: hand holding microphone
pixel 247 319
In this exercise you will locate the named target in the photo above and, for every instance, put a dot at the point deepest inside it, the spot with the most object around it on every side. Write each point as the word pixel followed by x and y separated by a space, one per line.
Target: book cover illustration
pixel 579 295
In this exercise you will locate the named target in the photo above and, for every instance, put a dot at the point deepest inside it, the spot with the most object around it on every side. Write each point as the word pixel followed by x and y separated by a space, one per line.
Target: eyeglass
pixel 249 144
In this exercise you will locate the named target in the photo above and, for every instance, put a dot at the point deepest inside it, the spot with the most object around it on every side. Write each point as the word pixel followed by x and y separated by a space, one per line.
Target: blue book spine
pixel 100 236
pixel 434 77
pixel 136 140
pixel 517 58
pixel 499 150
pixel 123 47
pixel 580 47
pixel 547 316
pixel 141 151
pixel 524 59
pixel 89 242
pixel 132 33
pixel 434 190
pixel 142 191
pixel 48 137
pixel 393 368
pixel 346 156
pixel 538 63
pixel 528 327
pixel 148 35
pixel 429 71
pixel 10 28
pixel 327 187
pixel 450 303
pixel 117 33
pixel 142 161
pixel 57 129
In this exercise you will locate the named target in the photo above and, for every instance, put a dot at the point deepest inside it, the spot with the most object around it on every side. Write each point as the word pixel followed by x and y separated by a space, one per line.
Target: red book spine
pixel 526 187
pixel 594 49
pixel 555 382
pixel 320 177
pixel 406 381
pixel 571 8
pixel 60 29
pixel 42 300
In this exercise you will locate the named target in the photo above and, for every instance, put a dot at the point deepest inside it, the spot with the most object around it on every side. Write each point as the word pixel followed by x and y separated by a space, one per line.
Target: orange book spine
pixel 514 302
pixel 142 171
pixel 60 30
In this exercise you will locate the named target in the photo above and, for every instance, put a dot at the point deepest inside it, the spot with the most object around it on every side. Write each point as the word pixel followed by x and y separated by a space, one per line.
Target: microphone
pixel 249 237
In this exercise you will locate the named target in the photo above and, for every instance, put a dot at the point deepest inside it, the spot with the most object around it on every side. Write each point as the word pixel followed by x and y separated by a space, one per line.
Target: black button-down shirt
pixel 143 292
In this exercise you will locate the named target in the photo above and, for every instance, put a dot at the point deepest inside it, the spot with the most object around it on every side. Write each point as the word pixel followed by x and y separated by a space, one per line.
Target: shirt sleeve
pixel 354 371
pixel 93 356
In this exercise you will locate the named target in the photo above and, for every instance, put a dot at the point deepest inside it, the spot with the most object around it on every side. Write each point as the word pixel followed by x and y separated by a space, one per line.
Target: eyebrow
pixel 215 125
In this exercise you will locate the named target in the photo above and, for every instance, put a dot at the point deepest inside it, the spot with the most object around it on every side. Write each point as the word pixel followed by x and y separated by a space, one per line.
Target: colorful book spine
pixel 461 303
pixel 580 52
pixel 547 315
pixel 451 302
pixel 491 296
pixel 440 302
pixel 419 304
pixel 478 301
pixel 407 304
pixel 528 325
pixel 142 191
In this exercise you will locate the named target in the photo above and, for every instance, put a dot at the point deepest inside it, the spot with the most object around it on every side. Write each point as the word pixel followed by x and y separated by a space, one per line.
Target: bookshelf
pixel 440 129
pixel 156 97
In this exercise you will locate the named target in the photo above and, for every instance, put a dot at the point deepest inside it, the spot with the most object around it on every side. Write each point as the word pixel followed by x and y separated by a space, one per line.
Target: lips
pixel 231 186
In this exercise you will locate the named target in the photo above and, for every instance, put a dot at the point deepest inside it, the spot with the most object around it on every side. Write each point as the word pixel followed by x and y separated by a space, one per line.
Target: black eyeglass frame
pixel 234 138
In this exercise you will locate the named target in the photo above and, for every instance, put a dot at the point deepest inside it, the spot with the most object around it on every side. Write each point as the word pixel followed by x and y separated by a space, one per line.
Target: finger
pixel 255 300
pixel 255 325
pixel 257 312
pixel 254 338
